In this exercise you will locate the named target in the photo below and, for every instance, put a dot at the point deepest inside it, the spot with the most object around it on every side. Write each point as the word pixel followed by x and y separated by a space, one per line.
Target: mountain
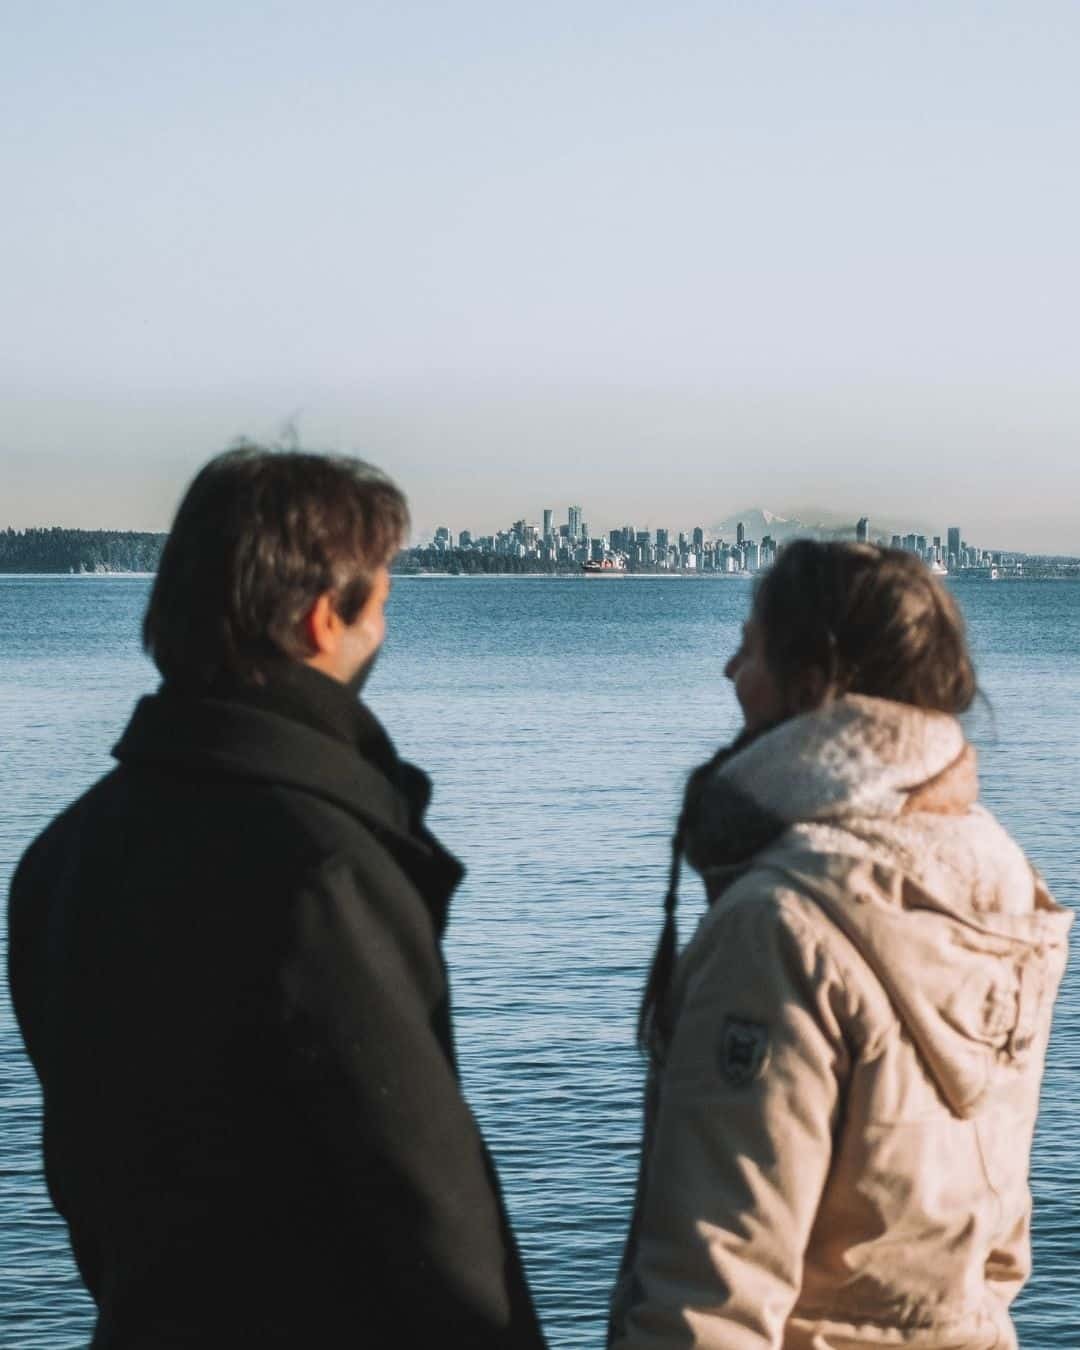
pixel 758 521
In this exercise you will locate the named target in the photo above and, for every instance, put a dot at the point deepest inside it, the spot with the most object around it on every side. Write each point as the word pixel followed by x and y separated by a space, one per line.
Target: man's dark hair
pixel 258 537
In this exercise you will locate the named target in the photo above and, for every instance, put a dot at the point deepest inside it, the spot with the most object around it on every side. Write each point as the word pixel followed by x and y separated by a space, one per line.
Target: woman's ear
pixel 808 690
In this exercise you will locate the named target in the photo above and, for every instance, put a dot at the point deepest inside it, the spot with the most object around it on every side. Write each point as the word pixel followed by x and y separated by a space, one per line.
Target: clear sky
pixel 665 261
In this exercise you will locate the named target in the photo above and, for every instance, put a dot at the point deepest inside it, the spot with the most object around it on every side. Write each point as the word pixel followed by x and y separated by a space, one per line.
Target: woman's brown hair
pixel 864 620
pixel 836 618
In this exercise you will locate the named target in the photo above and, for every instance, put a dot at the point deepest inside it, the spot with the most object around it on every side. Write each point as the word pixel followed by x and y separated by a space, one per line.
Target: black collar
pixel 265 744
pixel 298 691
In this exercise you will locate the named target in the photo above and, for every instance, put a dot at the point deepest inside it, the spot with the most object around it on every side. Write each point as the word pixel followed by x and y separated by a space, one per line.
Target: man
pixel 225 963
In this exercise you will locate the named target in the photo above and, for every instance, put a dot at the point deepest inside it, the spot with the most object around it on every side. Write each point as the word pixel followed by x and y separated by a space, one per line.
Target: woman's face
pixel 760 697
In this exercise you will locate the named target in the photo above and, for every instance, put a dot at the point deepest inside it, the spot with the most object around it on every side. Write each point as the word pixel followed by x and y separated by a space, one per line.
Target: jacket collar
pixel 856 758
pixel 261 744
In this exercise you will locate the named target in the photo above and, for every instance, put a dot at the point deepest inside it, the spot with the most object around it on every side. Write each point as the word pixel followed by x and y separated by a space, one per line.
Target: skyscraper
pixel 547 522
pixel 740 534
pixel 954 543
pixel 699 538
pixel 862 530
pixel 573 520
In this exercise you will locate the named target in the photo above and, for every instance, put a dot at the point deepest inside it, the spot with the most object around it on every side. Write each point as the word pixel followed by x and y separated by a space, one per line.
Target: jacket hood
pixel 869 807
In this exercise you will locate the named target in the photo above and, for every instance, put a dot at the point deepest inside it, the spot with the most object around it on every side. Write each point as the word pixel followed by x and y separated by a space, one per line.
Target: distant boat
pixel 985 572
pixel 614 565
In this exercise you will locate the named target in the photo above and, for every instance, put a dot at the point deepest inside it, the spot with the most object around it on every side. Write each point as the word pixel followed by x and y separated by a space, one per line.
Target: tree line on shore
pixel 468 562
pixel 55 549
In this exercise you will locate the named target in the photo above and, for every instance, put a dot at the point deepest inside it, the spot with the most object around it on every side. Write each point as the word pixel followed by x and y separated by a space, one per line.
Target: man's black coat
pixel 225 960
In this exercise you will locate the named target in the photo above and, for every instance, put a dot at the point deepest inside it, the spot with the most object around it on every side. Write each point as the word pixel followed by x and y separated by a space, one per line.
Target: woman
pixel 846 1058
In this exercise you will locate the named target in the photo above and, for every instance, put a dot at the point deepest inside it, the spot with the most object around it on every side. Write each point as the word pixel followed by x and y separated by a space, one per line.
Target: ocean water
pixel 558 717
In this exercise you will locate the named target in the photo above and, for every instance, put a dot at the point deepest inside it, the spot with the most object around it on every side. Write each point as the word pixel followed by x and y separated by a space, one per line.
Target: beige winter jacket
pixel 838 1136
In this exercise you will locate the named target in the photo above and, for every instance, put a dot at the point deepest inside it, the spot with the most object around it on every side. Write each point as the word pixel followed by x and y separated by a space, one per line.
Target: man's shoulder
pixel 53 839
pixel 148 812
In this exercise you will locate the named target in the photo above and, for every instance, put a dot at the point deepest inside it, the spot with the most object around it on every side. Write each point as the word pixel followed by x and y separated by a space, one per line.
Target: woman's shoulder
pixel 770 918
pixel 781 885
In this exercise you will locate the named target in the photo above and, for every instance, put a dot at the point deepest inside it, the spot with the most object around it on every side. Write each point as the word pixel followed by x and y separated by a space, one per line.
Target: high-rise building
pixel 573 523
pixel 464 539
pixel 862 530
pixel 699 538
pixel 896 542
pixel 547 522
pixel 661 540
pixel 953 536
pixel 740 534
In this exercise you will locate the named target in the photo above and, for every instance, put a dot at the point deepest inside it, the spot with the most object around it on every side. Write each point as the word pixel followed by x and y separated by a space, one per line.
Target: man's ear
pixel 322 626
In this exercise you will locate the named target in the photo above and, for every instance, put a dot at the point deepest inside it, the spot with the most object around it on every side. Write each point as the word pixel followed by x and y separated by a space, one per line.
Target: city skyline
pixel 758 524
pixel 749 549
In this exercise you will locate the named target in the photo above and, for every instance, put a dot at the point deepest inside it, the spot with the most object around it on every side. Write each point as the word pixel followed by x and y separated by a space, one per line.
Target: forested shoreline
pixel 59 550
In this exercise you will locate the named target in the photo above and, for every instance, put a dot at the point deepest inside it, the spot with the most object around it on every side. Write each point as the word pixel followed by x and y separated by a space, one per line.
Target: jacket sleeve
pixel 740 1146
pixel 371 1067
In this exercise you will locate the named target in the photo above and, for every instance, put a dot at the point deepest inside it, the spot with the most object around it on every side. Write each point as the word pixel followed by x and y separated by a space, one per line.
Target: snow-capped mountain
pixel 758 521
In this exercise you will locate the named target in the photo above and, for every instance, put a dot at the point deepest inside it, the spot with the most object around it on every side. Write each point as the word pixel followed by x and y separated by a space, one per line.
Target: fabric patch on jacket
pixel 744 1048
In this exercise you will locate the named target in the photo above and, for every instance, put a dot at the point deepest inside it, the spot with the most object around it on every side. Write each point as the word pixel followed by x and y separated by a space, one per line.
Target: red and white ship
pixel 613 565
